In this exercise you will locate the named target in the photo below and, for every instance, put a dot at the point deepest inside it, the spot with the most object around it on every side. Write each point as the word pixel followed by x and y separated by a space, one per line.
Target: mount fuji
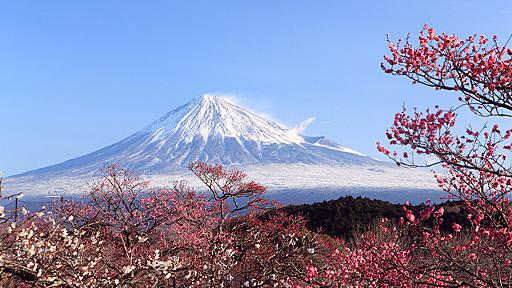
pixel 214 129
pixel 211 129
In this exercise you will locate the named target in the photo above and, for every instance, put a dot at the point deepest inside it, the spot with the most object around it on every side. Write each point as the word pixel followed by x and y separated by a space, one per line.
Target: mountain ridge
pixel 213 129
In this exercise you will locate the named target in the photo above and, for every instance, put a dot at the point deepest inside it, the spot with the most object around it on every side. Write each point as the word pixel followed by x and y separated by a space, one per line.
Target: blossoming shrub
pixel 478 71
pixel 126 235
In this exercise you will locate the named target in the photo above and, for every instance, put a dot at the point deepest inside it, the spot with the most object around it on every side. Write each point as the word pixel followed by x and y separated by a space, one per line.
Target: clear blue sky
pixel 79 75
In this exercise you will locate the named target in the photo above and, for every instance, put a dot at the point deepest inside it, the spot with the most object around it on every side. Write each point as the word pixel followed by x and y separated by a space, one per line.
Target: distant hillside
pixel 346 215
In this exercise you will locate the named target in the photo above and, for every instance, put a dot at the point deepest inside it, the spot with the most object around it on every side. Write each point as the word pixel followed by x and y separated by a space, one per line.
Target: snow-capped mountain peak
pixel 213 129
pixel 211 116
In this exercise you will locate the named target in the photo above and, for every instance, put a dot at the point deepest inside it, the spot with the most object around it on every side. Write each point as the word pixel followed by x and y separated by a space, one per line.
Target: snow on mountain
pixel 212 129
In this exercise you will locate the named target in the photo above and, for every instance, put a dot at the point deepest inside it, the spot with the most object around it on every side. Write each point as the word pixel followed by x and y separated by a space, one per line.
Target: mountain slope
pixel 212 129
pixel 295 168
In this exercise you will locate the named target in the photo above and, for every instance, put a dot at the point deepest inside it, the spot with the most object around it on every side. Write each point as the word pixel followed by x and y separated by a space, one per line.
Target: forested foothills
pixel 125 234
pixel 349 216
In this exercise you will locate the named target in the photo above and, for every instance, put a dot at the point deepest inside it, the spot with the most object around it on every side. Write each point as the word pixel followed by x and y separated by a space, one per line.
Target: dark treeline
pixel 348 215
